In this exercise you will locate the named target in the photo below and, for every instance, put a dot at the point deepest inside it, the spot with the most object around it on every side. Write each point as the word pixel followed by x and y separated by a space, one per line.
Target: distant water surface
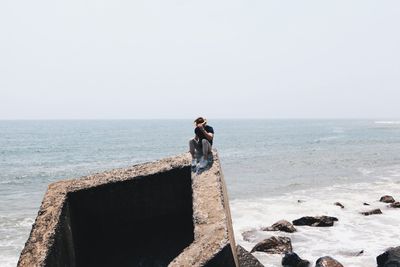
pixel 268 165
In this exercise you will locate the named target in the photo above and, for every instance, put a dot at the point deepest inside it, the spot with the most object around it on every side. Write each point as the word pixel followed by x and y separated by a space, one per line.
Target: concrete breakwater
pixel 152 214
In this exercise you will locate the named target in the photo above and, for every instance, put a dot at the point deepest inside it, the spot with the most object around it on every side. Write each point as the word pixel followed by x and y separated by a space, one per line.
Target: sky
pixel 146 59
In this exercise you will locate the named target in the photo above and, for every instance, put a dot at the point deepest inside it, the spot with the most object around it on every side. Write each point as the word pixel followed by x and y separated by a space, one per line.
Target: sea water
pixel 269 165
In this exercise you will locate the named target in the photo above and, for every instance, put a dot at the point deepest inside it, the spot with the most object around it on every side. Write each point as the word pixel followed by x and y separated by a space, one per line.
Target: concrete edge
pixel 212 220
pixel 42 235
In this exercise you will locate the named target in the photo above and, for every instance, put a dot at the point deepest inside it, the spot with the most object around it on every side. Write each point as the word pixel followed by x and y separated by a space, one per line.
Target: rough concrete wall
pixel 214 243
pixel 60 225
pixel 48 230
pixel 62 253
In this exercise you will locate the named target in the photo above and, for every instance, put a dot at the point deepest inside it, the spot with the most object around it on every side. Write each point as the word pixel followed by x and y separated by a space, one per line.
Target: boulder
pixel 318 221
pixel 390 258
pixel 274 245
pixel 246 259
pixel 281 225
pixel 291 259
pixel 339 204
pixel 327 262
pixel 395 204
pixel 365 204
pixel 371 212
pixel 387 199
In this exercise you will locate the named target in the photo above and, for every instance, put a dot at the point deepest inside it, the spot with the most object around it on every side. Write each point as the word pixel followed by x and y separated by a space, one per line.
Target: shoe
pixel 194 162
pixel 203 163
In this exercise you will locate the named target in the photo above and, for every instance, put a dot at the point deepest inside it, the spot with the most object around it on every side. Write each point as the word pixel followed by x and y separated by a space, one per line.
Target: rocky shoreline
pixel 277 244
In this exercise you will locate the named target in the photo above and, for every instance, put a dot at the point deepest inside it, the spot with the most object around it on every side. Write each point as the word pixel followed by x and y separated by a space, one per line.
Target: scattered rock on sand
pixel 318 221
pixel 246 259
pixel 387 199
pixel 293 260
pixel 390 258
pixel 371 212
pixel 281 225
pixel 274 245
pixel 395 204
pixel 249 236
pixel 327 262
pixel 339 204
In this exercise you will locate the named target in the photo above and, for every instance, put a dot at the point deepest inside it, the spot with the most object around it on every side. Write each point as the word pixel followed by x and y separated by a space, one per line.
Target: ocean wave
pixel 388 122
pixel 353 232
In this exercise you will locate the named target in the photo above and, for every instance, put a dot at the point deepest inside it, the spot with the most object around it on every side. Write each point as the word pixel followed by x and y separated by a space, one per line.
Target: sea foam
pixel 350 235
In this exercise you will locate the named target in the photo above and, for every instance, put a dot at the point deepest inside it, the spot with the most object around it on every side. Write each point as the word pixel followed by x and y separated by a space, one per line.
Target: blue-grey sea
pixel 268 165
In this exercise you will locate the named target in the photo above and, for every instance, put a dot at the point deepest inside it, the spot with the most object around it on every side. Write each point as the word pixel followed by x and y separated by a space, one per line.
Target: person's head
pixel 200 120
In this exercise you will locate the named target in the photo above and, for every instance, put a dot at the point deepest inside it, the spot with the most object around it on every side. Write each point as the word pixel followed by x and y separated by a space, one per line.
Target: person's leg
pixel 192 147
pixel 206 148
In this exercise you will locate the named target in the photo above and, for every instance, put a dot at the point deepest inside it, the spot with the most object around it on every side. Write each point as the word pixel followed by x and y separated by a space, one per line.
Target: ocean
pixel 269 165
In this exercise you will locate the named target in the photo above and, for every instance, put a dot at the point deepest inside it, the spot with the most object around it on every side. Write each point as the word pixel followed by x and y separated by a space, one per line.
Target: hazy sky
pixel 179 59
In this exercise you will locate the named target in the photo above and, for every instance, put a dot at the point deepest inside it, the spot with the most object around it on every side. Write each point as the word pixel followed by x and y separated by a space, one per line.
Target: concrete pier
pixel 152 214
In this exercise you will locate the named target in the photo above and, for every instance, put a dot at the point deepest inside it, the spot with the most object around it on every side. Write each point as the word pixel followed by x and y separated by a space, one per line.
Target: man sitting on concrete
pixel 202 142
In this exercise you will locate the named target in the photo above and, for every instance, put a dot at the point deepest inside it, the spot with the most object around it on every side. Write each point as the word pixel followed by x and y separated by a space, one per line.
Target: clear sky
pixel 97 59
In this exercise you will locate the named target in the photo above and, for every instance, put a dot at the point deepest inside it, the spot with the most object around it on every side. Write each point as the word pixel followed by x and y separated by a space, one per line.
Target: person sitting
pixel 202 142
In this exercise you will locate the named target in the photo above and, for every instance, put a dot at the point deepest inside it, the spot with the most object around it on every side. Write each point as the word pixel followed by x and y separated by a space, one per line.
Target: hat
pixel 200 120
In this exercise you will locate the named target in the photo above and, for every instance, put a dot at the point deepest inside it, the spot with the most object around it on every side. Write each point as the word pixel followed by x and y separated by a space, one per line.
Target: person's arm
pixel 207 135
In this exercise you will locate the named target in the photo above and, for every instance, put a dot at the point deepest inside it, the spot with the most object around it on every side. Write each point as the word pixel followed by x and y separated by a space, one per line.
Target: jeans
pixel 202 147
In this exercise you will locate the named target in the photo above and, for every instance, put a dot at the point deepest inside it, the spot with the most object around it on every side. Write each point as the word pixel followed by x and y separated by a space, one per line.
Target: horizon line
pixel 216 118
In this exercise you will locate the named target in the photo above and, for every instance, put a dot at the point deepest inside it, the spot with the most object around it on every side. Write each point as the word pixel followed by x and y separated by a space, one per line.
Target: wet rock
pixel 249 236
pixel 318 221
pixel 390 258
pixel 339 204
pixel 327 262
pixel 293 260
pixel 395 204
pixel 371 212
pixel 387 199
pixel 365 204
pixel 274 245
pixel 246 259
pixel 281 225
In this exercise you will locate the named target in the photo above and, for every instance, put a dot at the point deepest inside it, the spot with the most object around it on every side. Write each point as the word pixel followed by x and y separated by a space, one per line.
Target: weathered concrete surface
pixel 145 215
pixel 214 243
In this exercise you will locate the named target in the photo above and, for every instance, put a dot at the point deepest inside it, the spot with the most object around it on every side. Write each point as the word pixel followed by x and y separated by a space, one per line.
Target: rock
pixel 338 204
pixel 281 225
pixel 274 245
pixel 293 260
pixel 300 201
pixel 246 259
pixel 395 204
pixel 365 204
pixel 327 262
pixel 387 199
pixel 249 236
pixel 375 211
pixel 318 221
pixel 390 258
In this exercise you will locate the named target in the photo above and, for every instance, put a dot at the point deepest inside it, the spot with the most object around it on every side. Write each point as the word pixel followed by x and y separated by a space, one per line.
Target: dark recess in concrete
pixel 144 221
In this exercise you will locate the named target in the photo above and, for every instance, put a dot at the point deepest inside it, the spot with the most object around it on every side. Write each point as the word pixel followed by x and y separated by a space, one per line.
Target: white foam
pixel 352 233
pixel 388 122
